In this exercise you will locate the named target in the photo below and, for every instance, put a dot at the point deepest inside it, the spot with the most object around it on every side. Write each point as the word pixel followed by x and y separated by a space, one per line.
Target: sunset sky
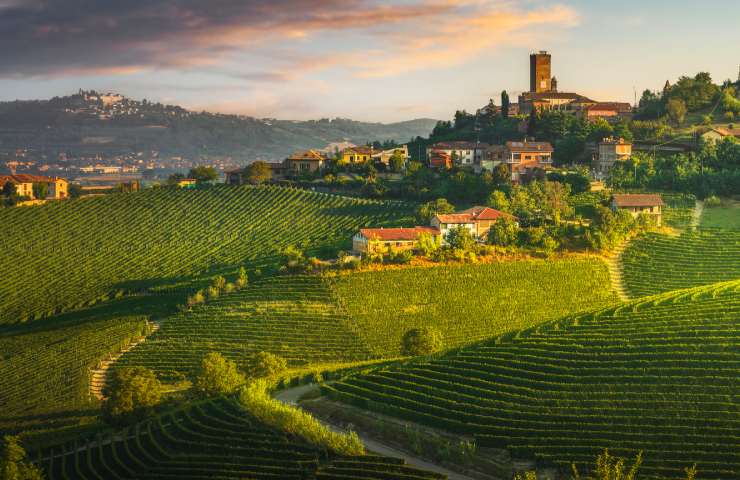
pixel 376 60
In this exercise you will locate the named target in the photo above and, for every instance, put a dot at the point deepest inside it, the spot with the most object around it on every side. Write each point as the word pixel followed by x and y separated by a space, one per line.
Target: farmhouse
pixel 309 161
pixel 718 134
pixel 637 203
pixel 523 157
pixel 56 187
pixel 610 151
pixel 357 154
pixel 476 219
pixel 370 240
pixel 384 156
pixel 461 153
pixel 610 111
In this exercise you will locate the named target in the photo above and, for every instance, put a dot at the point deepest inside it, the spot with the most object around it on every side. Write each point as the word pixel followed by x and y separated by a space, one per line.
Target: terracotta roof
pixel 485 213
pixel 360 150
pixel 616 106
pixel 397 234
pixel 534 96
pixel 308 155
pixel 458 145
pixel 725 132
pixel 637 199
pixel 26 178
pixel 529 146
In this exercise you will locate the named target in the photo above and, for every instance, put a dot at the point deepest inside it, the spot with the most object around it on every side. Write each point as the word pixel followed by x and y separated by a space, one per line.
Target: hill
pixel 89 123
pixel 657 374
pixel 158 240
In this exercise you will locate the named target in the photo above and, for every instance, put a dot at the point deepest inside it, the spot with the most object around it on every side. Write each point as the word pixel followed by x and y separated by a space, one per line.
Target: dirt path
pixel 614 264
pixel 698 210
pixel 291 396
pixel 99 376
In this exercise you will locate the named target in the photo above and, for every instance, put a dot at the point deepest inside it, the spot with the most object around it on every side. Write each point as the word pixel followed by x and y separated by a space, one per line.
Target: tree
pixel 609 467
pixel 133 393
pixel 267 364
pixel 427 244
pixel 504 104
pixel 13 463
pixel 504 232
pixel 460 238
pixel 9 189
pixel 40 190
pixel 294 259
pixel 175 178
pixel 428 210
pixel 258 172
pixel 218 376
pixel 242 279
pixel 421 341
pixel 203 174
pixel 74 190
pixel 501 175
pixel 676 110
pixel 397 161
pixel 498 200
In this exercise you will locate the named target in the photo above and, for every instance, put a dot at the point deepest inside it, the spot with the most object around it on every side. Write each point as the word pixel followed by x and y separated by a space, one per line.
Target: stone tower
pixel 539 72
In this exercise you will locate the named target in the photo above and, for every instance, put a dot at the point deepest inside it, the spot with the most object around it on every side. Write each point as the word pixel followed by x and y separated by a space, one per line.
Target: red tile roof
pixel 637 199
pixel 312 155
pixel 538 96
pixel 360 150
pixel 621 107
pixel 544 147
pixel 26 178
pixel 397 234
pixel 472 215
pixel 458 145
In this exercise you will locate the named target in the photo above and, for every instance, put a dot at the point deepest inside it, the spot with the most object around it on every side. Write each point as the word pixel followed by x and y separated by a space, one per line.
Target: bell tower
pixel 540 72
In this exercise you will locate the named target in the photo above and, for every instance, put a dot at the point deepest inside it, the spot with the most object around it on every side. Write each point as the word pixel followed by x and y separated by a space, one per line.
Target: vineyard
pixel 656 263
pixel 131 242
pixel 45 369
pixel 657 374
pixel 211 439
pixel 467 303
pixel 291 316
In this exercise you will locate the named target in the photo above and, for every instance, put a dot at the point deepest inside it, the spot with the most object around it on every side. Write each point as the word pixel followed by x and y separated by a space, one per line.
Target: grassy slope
pixel 469 302
pixel 727 216
pixel 657 263
pixel 77 251
pixel 658 374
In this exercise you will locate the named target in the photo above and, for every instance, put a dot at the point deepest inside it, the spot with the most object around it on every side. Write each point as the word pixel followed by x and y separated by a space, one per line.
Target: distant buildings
pixel 639 203
pixel 610 151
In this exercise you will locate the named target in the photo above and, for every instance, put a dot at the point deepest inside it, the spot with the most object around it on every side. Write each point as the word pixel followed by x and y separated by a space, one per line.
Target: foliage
pixel 218 376
pixel 563 390
pixel 421 341
pixel 74 190
pixel 608 228
pixel 258 172
pixel 203 174
pixel 13 463
pixel 134 391
pixel 504 232
pixel 257 401
pixel 427 211
pixel 267 364
pixel 40 190
pixel 609 467
pixel 242 279
pixel 428 244
pixel 460 238
pixel 676 110
pixel 397 161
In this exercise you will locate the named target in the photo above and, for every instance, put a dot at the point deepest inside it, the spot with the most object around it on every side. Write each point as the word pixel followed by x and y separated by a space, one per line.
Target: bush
pixel 421 341
pixel 504 232
pixel 712 201
pixel 268 365
pixel 133 393
pixel 242 280
pixel 218 376
pixel 196 299
pixel 400 257
pixel 460 238
pixel 428 210
pixel 13 463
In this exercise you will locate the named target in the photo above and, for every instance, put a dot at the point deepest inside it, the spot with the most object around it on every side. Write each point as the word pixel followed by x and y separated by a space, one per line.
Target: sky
pixel 370 60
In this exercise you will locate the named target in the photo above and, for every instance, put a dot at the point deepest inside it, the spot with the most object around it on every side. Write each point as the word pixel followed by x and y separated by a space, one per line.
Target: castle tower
pixel 554 84
pixel 539 72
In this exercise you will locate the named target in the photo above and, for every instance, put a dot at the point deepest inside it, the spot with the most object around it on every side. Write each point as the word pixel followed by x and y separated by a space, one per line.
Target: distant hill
pixel 90 123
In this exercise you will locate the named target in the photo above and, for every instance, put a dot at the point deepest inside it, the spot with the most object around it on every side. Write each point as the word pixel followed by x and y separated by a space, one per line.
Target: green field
pixel 656 263
pixel 726 216
pixel 81 251
pixel 467 303
pixel 45 369
pixel 657 374
pixel 211 439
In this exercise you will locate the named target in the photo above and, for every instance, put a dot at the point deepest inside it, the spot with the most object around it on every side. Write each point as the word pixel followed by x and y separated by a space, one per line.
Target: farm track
pixel 614 263
pixel 99 376
pixel 696 215
pixel 291 396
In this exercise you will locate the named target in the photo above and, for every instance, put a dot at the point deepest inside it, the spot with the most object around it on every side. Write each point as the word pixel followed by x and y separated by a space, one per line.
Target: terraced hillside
pixel 657 374
pixel 291 316
pixel 467 303
pixel 45 369
pixel 656 263
pixel 212 439
pixel 78 251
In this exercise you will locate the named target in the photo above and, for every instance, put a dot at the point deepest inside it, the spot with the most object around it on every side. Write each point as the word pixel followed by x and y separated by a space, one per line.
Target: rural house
pixel 637 203
pixel 719 133
pixel 476 219
pixel 371 240
pixel 523 157
pixel 310 161
pixel 357 154
pixel 57 188
pixel 466 154
pixel 610 151
pixel 384 156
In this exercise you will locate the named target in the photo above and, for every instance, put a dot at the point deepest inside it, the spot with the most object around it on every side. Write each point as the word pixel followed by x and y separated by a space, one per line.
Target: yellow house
pixel 357 154
pixel 371 240
pixel 56 187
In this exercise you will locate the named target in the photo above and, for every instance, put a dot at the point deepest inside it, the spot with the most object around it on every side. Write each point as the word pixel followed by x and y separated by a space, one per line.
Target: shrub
pixel 13 463
pixel 428 210
pixel 218 376
pixel 213 293
pixel 242 280
pixel 267 364
pixel 421 341
pixel 219 282
pixel 133 393
pixel 460 238
pixel 712 201
pixel 196 299
pixel 400 256
pixel 504 232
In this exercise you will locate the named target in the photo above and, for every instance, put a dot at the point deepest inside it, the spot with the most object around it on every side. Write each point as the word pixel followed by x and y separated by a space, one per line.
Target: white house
pixel 468 154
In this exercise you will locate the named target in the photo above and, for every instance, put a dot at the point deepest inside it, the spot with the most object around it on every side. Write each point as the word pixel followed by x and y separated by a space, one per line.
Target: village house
pixel 610 111
pixel 523 157
pixel 610 151
pixel 384 156
pixel 310 161
pixel 638 203
pixel 372 240
pixel 465 154
pixel 439 159
pixel 357 155
pixel 57 188
pixel 717 134
pixel 478 220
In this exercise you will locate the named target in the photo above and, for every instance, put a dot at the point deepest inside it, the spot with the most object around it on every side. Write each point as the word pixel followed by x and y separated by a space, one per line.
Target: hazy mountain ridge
pixel 89 123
